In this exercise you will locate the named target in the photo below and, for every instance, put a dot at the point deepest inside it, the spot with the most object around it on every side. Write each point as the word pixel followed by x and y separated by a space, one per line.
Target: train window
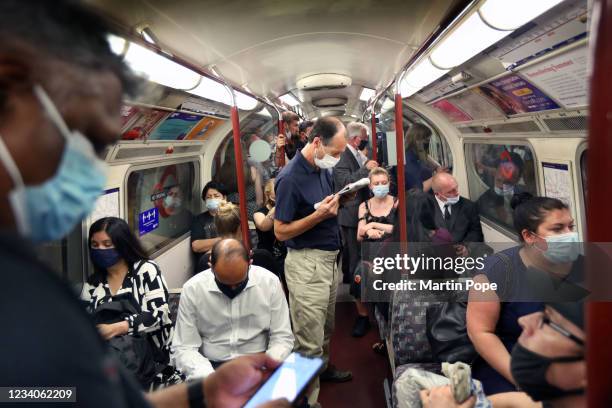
pixel 258 131
pixel 495 173
pixel 438 151
pixel 161 203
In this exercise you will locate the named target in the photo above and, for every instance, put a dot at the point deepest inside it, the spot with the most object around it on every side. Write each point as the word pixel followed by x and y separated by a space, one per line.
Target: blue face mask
pixel 380 190
pixel 562 248
pixel 49 211
pixel 104 258
pixel 212 204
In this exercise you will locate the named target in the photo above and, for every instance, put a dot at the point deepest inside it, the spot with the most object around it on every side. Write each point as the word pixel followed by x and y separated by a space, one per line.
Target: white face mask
pixel 452 200
pixel 327 162
pixel 562 248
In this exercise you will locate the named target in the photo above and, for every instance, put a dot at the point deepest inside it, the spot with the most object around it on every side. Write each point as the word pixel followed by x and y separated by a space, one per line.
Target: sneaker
pixel 332 374
pixel 361 327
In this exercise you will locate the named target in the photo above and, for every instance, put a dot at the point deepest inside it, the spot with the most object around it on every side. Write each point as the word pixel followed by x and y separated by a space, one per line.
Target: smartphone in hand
pixel 290 380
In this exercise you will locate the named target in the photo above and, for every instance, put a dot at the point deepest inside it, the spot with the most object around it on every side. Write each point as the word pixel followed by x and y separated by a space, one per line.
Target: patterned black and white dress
pixel 148 287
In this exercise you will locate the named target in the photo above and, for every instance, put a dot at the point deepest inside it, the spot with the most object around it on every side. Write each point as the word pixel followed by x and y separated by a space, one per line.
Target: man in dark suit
pixel 455 213
pixel 353 165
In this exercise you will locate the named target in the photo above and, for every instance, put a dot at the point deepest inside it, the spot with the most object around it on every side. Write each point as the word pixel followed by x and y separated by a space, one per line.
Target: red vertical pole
pixel 244 222
pixel 599 222
pixel 280 152
pixel 374 139
pixel 401 184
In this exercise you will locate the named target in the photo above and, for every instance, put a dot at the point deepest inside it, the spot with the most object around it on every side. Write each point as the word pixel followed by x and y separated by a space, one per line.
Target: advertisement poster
pixel 558 182
pixel 128 113
pixel 514 95
pixel 563 77
pixel 176 126
pixel 476 106
pixel 452 113
pixel 204 128
pixel 438 90
pixel 550 32
pixel 143 125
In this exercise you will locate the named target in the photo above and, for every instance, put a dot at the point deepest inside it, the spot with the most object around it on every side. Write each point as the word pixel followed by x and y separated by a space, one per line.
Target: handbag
pixel 447 333
pixel 137 353
pixel 447 327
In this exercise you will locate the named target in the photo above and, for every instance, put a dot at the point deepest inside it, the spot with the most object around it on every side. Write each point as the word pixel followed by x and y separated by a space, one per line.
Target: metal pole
pixel 244 222
pixel 399 143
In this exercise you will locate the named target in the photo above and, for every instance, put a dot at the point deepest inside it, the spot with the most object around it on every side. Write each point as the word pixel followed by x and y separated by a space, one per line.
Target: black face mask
pixel 229 291
pixel 363 144
pixel 529 371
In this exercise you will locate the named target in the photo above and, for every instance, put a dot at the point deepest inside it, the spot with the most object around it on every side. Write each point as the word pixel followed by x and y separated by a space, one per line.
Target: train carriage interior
pixel 504 88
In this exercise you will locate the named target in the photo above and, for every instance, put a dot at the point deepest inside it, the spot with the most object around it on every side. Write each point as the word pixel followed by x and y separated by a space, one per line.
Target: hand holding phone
pixel 289 380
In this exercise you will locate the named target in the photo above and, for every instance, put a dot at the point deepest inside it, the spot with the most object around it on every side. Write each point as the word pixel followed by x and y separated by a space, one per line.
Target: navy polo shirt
pixel 298 187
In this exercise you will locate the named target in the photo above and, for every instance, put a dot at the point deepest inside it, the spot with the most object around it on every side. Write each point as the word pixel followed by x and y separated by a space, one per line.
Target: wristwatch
pixel 195 394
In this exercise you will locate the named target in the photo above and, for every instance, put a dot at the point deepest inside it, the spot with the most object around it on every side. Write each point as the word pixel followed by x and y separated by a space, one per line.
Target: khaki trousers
pixel 312 280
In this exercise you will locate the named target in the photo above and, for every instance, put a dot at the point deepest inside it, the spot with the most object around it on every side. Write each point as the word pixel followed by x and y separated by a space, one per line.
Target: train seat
pixel 174 296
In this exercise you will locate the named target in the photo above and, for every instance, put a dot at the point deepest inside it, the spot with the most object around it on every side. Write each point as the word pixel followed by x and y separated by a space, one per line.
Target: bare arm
pixel 482 318
pixel 203 245
pixel 362 226
pixel 388 228
pixel 258 185
pixel 513 400
pixel 264 222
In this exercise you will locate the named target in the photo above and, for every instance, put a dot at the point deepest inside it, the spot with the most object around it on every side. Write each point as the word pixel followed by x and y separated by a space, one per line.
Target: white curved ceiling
pixel 268 45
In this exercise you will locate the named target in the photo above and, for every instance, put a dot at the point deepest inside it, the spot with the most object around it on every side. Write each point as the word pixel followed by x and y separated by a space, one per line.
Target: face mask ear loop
pixel 51 111
pixel 10 165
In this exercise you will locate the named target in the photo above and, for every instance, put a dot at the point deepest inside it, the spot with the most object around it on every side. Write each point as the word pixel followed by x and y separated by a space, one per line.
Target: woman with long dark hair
pixel 549 248
pixel 123 271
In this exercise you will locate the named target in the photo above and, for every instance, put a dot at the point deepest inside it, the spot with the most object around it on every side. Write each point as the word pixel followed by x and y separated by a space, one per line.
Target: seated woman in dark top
pixel 203 232
pixel 264 225
pixel 550 245
pixel 122 270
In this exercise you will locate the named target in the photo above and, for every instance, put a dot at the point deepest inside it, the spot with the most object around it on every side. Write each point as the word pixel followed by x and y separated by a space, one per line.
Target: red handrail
pixel 280 151
pixel 244 222
pixel 599 222
pixel 374 139
pixel 401 184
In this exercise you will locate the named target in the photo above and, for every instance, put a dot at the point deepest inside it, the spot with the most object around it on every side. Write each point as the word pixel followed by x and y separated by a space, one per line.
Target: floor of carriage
pixel 355 354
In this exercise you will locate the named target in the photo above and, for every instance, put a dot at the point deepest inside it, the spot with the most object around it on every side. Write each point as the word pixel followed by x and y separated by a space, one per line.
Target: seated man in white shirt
pixel 230 310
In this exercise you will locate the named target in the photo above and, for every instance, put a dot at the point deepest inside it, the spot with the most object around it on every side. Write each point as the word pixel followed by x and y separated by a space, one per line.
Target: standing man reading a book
pixel 313 242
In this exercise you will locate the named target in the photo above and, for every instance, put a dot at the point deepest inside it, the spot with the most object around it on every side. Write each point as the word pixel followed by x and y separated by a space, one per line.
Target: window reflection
pixel 496 172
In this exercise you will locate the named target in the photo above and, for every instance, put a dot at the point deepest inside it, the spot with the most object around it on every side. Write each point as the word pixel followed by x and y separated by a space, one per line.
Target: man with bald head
pixel 232 309
pixel 455 213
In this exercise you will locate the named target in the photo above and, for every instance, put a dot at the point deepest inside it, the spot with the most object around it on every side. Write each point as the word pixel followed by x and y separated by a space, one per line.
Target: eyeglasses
pixel 562 331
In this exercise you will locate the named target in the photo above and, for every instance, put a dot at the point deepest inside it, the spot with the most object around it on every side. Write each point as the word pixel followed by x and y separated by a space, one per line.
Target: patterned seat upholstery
pixel 408 328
